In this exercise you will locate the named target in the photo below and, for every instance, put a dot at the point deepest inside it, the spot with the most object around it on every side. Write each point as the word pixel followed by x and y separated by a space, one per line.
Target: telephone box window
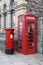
pixel 20 34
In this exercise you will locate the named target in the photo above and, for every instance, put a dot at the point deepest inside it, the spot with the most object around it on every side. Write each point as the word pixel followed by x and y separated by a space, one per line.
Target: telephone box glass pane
pixel 30 27
pixel 30 34
pixel 20 35
pixel 20 29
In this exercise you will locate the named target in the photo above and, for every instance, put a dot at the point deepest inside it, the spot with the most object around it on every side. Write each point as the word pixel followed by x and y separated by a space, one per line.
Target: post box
pixel 27 33
pixel 9 44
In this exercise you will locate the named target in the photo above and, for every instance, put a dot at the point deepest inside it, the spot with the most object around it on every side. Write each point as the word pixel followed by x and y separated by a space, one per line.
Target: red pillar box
pixel 9 41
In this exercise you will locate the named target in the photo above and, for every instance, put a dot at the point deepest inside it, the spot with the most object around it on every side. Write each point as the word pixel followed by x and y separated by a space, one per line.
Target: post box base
pixel 9 51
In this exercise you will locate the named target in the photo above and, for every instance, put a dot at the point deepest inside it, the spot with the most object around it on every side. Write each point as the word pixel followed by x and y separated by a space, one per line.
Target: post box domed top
pixel 9 29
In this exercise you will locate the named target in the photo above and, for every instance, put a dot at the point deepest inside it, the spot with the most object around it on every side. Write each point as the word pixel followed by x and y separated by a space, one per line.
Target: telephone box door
pixel 31 36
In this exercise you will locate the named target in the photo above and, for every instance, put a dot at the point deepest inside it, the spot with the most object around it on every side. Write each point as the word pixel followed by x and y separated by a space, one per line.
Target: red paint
pixel 27 37
pixel 9 38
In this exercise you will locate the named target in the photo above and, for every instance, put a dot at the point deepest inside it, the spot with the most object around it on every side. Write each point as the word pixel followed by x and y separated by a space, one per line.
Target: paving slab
pixel 20 59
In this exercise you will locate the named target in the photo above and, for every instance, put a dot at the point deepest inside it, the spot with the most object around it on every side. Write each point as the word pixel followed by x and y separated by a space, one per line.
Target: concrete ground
pixel 20 59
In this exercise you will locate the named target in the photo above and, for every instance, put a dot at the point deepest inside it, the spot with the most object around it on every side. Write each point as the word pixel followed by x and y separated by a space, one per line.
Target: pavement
pixel 20 59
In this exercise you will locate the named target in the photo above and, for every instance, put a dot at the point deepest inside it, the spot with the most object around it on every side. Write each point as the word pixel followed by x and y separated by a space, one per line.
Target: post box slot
pixel 10 32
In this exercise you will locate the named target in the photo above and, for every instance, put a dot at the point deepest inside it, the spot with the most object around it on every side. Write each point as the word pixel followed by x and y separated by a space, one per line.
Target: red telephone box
pixel 9 41
pixel 27 33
